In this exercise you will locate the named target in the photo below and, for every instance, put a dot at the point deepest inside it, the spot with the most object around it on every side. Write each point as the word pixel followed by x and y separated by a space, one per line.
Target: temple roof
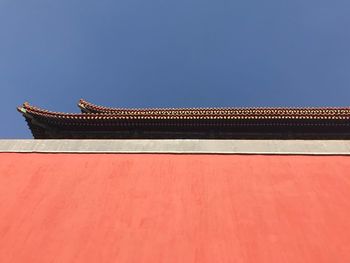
pixel 160 123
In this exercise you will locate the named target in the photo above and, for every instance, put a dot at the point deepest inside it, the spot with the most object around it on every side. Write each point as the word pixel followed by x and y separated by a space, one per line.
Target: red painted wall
pixel 174 208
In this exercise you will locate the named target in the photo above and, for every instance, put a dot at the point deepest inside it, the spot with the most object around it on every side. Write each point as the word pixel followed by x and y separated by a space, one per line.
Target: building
pixel 97 122
pixel 177 185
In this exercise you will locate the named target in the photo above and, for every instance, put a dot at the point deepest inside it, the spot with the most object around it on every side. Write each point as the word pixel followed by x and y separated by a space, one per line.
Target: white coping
pixel 295 147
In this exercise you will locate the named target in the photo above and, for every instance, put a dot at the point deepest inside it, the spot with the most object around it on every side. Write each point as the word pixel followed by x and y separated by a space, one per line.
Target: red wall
pixel 174 208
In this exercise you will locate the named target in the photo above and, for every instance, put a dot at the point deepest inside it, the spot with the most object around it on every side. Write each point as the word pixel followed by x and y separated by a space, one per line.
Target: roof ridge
pixel 88 105
pixel 211 112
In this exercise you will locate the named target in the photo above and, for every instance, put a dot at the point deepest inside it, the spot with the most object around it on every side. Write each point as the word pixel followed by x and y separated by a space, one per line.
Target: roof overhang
pixel 97 122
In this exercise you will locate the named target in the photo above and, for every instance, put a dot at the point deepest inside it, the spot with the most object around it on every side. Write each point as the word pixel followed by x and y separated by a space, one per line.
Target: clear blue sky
pixel 159 53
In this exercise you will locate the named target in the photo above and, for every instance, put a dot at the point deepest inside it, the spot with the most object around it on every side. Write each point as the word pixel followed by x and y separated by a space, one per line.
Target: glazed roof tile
pixel 239 113
pixel 191 113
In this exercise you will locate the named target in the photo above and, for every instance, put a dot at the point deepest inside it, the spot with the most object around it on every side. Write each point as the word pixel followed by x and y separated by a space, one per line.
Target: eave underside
pixel 146 129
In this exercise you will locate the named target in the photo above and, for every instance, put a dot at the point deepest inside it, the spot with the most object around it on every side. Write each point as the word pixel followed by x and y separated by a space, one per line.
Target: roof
pixel 105 122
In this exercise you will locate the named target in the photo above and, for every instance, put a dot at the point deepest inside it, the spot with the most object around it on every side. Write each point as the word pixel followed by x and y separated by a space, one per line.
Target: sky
pixel 183 53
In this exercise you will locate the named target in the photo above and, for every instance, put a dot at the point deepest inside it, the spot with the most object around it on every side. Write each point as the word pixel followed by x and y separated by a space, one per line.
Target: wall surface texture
pixel 67 207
